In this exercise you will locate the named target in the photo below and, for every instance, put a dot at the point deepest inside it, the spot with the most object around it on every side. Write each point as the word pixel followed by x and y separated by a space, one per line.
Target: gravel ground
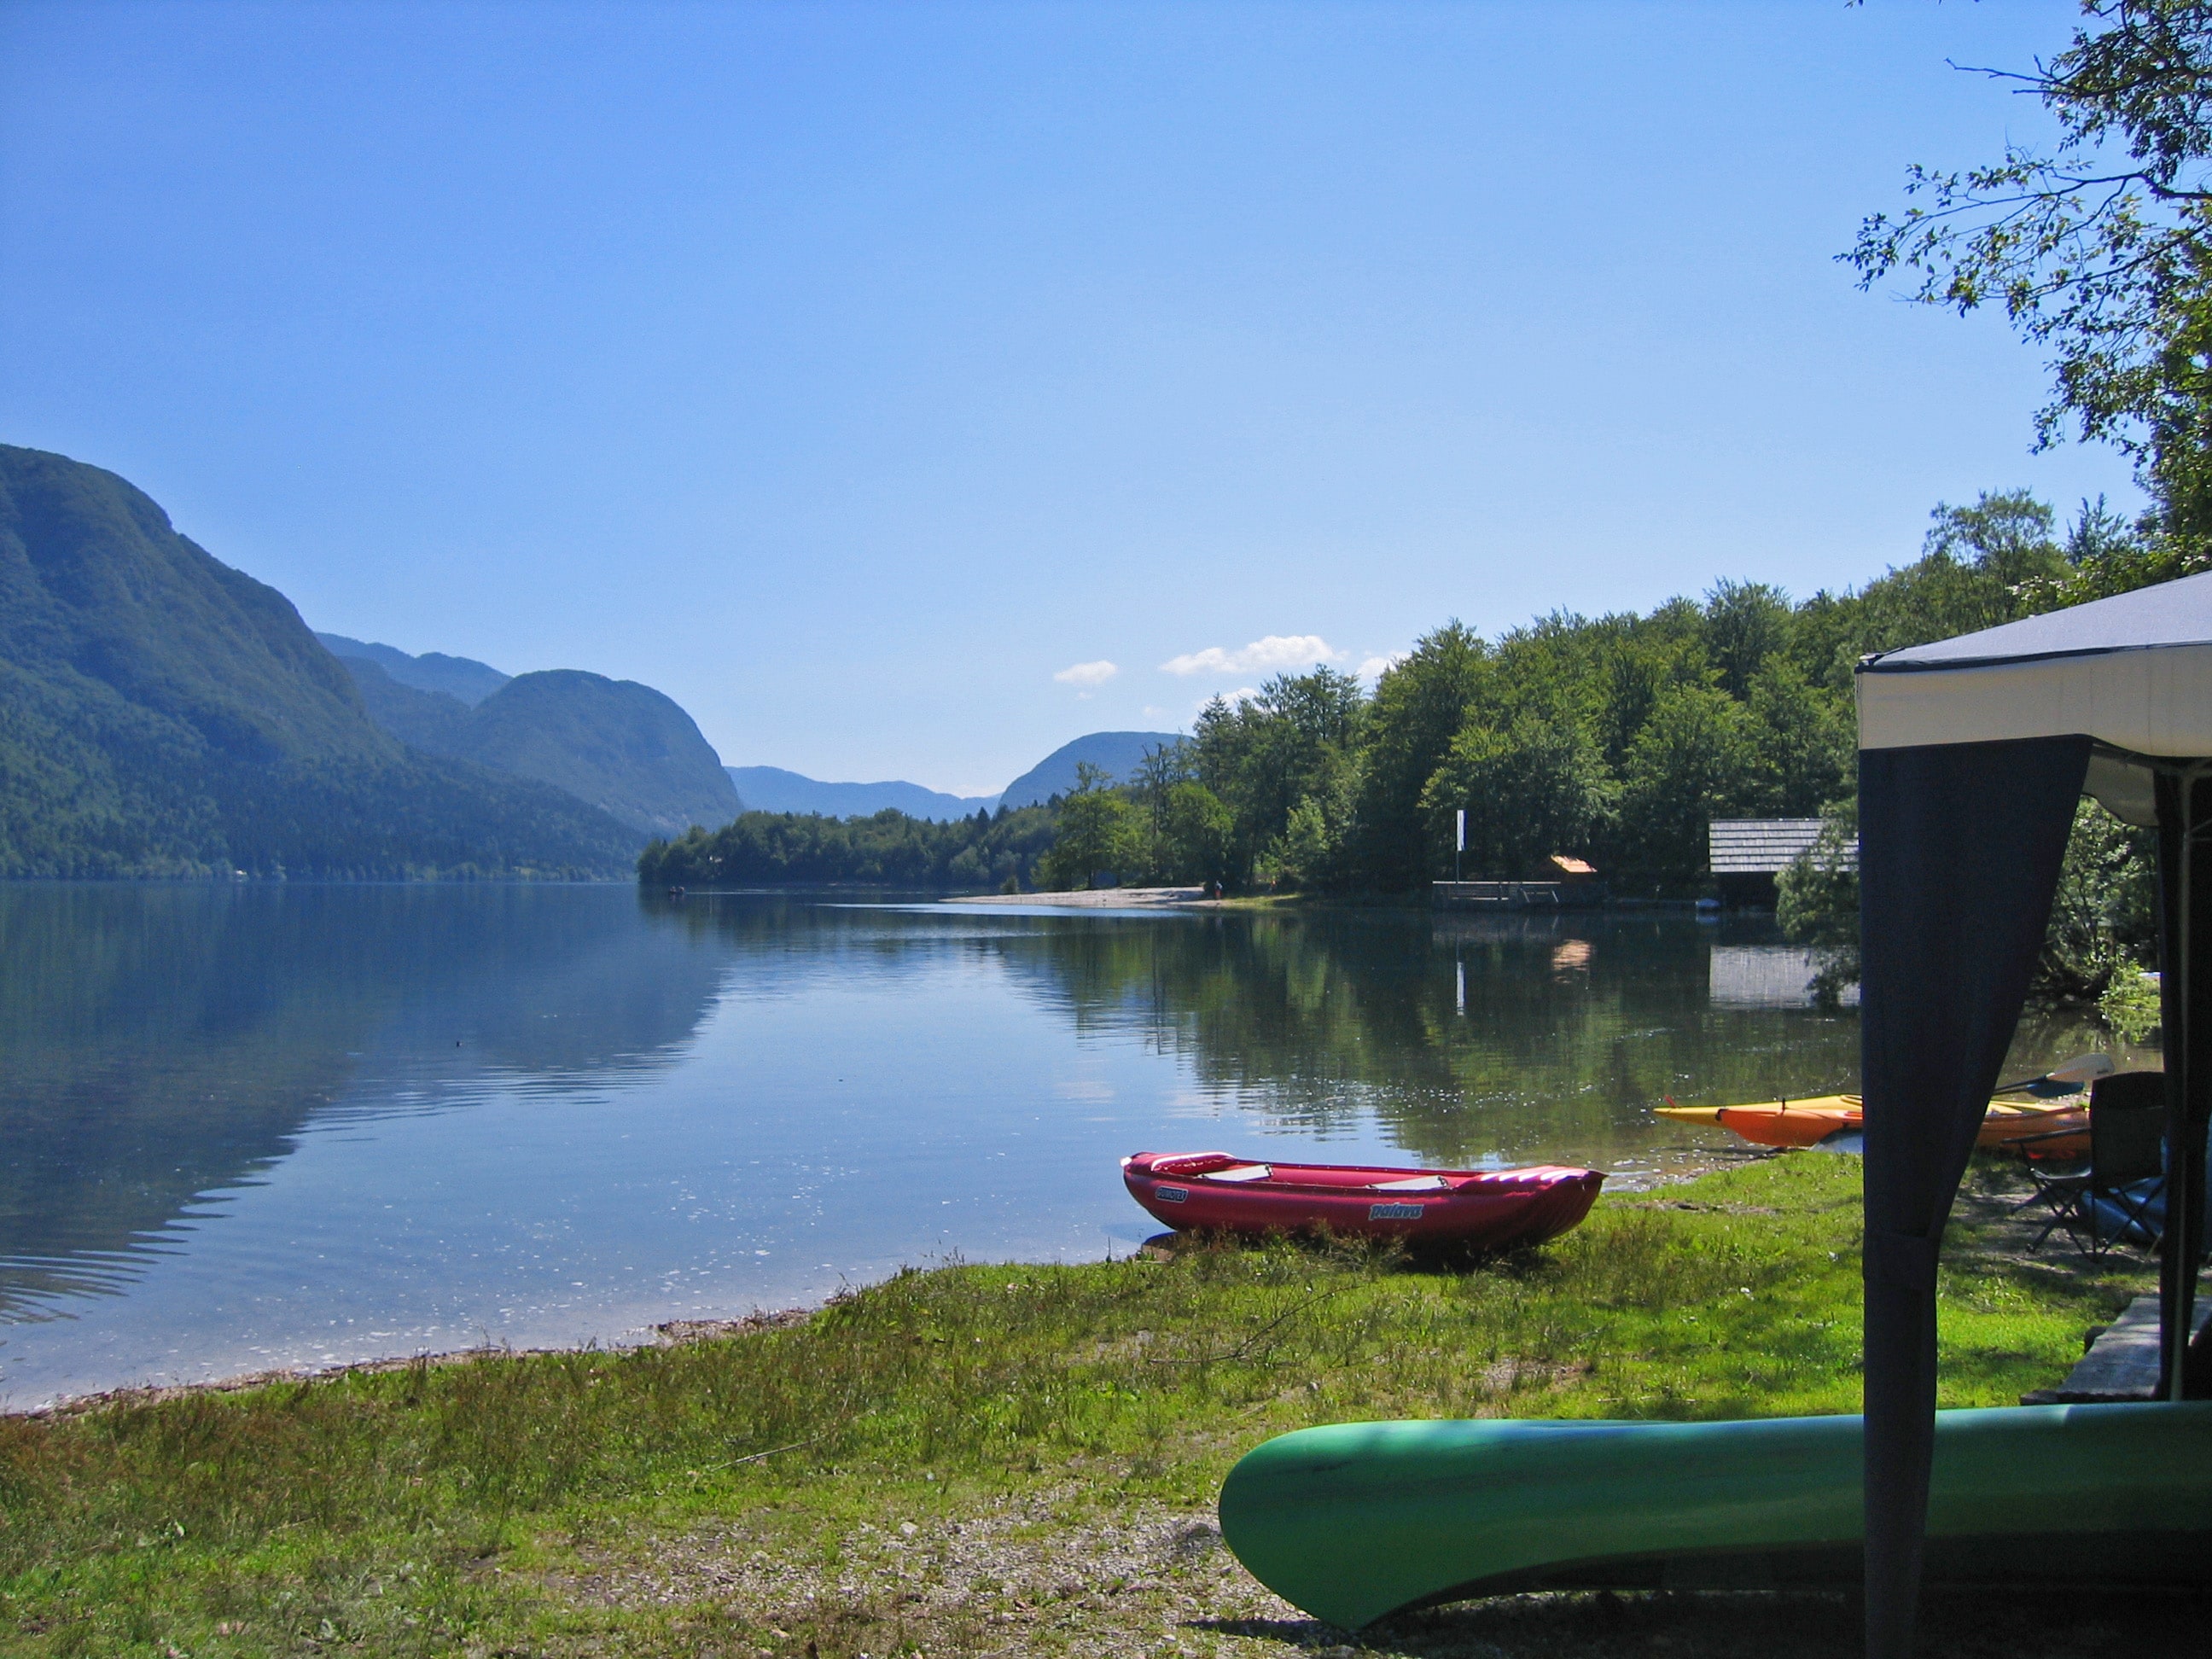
pixel 1042 1572
pixel 1049 1573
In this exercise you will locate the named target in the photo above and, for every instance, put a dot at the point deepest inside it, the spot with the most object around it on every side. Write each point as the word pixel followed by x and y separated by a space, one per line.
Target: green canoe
pixel 1357 1520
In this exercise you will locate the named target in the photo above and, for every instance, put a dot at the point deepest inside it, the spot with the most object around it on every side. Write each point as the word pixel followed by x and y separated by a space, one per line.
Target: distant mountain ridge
pixel 772 789
pixel 434 671
pixel 622 747
pixel 161 714
pixel 1116 753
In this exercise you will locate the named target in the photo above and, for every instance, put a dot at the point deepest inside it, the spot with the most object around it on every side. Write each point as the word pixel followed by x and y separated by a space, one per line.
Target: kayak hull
pixel 1809 1121
pixel 1356 1521
pixel 1490 1209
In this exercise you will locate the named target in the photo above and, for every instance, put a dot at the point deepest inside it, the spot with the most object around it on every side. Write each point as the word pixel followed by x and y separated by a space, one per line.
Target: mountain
pixel 1118 753
pixel 429 721
pixel 161 714
pixel 772 789
pixel 434 671
pixel 621 746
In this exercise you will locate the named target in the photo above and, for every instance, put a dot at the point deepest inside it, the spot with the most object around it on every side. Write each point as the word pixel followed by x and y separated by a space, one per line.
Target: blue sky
pixel 869 378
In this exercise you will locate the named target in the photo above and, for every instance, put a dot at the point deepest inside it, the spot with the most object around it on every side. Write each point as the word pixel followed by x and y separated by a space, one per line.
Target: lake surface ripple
pixel 256 1126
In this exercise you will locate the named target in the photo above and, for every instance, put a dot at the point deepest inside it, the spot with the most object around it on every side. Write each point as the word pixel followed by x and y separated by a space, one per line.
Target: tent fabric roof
pixel 2134 671
pixel 2170 614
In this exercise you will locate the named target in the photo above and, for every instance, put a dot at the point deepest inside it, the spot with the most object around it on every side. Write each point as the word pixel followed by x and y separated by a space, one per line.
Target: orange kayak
pixel 1807 1123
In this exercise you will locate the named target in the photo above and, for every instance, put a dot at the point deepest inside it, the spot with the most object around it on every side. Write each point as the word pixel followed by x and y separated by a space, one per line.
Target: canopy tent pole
pixel 2185 864
pixel 1946 889
pixel 1959 847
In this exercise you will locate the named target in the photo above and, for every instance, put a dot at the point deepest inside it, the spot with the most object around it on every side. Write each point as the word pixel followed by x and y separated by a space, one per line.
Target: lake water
pixel 253 1125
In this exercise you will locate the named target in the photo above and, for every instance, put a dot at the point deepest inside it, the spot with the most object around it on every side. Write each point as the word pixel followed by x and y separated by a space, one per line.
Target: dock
pixel 1516 895
pixel 2122 1361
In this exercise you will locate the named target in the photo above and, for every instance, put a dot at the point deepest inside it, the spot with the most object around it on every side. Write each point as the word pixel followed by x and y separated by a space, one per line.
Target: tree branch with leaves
pixel 2099 247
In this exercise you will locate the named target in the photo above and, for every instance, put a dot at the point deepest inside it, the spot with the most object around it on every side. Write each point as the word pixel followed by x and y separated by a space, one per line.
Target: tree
pixel 2100 249
pixel 1979 566
pixel 1418 708
pixel 1817 902
pixel 1640 660
pixel 1693 760
pixel 2104 555
pixel 760 849
pixel 1100 830
pixel 2104 912
pixel 1163 767
pixel 2005 534
pixel 1537 788
pixel 1296 740
pixel 1305 853
pixel 1805 740
pixel 1746 623
pixel 2102 926
pixel 1195 829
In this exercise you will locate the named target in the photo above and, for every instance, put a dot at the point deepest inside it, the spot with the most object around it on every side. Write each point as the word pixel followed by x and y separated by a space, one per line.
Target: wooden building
pixel 1745 855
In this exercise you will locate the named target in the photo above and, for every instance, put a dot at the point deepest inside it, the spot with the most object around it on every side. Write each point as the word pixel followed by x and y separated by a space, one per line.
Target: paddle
pixel 2082 1068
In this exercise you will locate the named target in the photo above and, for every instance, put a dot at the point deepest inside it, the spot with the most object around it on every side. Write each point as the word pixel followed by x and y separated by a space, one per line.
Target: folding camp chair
pixel 2120 1196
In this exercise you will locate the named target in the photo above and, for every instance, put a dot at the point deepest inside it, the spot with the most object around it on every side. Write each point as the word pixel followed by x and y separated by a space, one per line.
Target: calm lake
pixel 254 1126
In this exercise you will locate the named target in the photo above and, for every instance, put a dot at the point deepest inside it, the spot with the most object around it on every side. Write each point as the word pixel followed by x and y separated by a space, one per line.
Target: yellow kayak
pixel 1809 1120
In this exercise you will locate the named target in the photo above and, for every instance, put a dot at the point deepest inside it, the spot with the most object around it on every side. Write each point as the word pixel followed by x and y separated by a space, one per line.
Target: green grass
pixel 745 1495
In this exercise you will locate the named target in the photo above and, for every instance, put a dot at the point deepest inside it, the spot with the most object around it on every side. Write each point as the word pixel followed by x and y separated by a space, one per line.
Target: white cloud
pixel 1372 668
pixel 1087 673
pixel 1276 650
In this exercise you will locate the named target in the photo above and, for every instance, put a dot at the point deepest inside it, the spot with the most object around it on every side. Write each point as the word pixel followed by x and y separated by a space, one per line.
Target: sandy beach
pixel 1101 898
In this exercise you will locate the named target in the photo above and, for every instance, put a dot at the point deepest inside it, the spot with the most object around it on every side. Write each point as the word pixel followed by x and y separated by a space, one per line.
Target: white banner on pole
pixel 1461 815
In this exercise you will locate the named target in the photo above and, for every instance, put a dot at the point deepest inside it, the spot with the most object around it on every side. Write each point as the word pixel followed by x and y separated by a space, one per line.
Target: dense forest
pixel 1617 739
pixel 756 850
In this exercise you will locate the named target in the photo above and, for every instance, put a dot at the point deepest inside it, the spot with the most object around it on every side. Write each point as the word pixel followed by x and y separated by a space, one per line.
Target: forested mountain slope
pixel 622 747
pixel 163 714
pixel 464 678
pixel 1117 754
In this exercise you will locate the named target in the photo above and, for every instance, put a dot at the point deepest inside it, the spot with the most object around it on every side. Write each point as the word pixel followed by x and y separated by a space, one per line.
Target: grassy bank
pixel 970 1460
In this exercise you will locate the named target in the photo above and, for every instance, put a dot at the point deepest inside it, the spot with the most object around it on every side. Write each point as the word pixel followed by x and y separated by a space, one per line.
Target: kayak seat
pixel 1193 1163
pixel 1427 1183
pixel 1242 1172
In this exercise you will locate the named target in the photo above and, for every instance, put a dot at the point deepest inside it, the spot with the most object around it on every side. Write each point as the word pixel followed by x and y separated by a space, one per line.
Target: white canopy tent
pixel 1973 751
pixel 2134 673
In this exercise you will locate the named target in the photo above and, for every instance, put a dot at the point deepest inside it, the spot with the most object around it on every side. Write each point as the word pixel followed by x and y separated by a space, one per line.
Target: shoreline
pixel 1101 898
pixel 1687 1165
pixel 981 1459
pixel 670 1333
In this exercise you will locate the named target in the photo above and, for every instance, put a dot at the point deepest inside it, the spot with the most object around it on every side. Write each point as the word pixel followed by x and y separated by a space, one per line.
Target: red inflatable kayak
pixel 1212 1191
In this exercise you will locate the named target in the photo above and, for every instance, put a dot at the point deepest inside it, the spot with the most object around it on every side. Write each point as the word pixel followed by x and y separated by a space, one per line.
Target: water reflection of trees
pixel 1514 1037
pixel 166 1042
pixel 1519 1037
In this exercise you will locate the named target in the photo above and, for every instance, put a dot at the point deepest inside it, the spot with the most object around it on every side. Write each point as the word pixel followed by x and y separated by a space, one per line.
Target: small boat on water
pixel 1809 1121
pixel 1480 1209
